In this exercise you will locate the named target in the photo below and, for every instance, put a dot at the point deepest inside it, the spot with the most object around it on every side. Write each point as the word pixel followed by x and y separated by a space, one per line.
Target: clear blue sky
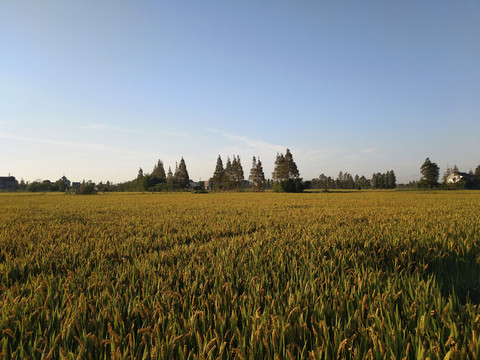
pixel 97 89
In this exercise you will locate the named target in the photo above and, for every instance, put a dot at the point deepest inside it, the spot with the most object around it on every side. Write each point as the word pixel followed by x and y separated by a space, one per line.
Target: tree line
pixel 285 178
pixel 228 177
pixel 345 180
pixel 158 179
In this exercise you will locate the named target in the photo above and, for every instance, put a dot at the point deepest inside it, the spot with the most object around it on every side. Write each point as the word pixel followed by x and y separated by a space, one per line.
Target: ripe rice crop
pixel 354 275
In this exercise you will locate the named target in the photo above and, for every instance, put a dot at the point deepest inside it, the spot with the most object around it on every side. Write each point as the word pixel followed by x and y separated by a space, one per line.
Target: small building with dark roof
pixel 8 183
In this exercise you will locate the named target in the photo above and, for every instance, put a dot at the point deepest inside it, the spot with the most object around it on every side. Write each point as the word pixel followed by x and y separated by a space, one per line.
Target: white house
pixel 456 177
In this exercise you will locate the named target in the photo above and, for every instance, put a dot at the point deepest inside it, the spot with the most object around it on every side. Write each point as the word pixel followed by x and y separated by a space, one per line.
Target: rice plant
pixel 357 275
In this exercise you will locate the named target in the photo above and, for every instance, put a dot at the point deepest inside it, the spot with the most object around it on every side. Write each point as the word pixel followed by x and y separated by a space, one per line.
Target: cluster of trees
pixel 257 176
pixel 158 180
pixel 229 177
pixel 84 188
pixel 431 173
pixel 345 180
pixel 43 186
pixel 387 180
pixel 286 177
pixel 105 187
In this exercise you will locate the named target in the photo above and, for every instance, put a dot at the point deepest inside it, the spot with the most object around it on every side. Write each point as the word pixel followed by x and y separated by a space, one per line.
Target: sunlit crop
pixel 246 275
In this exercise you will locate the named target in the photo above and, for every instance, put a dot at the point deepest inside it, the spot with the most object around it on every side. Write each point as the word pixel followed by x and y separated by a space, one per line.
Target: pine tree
pixel 446 174
pixel 140 174
pixel 159 171
pixel 430 172
pixel 290 166
pixel 279 169
pixel 228 175
pixel 253 170
pixel 218 174
pixel 175 174
pixel 285 168
pixel 476 178
pixel 170 176
pixel 339 181
pixel 181 174
pixel 286 175
pixel 260 176
pixel 348 181
pixel 392 180
pixel 364 182
pixel 257 177
pixel 374 181
pixel 237 172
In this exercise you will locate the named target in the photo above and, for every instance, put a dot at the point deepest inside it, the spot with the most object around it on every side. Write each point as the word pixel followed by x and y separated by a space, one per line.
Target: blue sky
pixel 95 90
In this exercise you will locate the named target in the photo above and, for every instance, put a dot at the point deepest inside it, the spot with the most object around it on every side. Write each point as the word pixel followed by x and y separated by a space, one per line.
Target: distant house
pixel 208 185
pixel 8 183
pixel 457 177
pixel 75 184
pixel 197 185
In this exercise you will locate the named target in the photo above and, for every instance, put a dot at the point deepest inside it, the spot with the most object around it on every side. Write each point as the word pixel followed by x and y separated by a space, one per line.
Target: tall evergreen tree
pixel 260 176
pixel 175 174
pixel 218 174
pixel 339 181
pixel 253 170
pixel 181 175
pixel 348 181
pixel 257 177
pixel 159 171
pixel 170 176
pixel 279 168
pixel 447 173
pixel 364 182
pixel 285 168
pixel 237 172
pixel 476 177
pixel 430 172
pixel 290 166
pixel 228 175
pixel 392 180
pixel 375 182
pixel 286 175
pixel 140 174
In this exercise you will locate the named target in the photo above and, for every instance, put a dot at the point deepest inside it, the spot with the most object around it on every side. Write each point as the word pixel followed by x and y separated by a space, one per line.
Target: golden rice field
pixel 364 274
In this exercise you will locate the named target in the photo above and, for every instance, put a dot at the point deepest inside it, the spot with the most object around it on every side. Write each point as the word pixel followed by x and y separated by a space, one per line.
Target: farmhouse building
pixel 8 182
pixel 457 177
